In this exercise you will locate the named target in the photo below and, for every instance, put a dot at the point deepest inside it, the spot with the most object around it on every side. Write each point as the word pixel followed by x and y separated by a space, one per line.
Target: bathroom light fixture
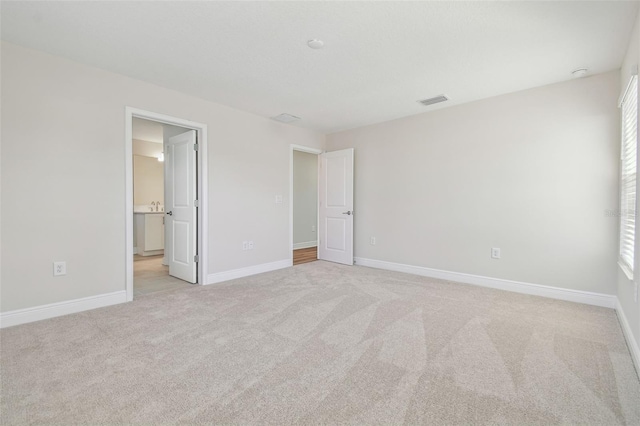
pixel 315 44
pixel 161 156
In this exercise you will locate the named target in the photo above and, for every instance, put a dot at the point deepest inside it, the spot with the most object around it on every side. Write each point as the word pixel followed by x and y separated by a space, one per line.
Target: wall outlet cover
pixel 59 268
pixel 495 253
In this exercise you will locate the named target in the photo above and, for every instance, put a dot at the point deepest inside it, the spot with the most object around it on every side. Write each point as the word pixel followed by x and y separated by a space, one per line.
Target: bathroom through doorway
pixel 165 186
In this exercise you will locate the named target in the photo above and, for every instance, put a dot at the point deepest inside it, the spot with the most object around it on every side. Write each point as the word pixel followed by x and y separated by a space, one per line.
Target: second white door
pixel 336 207
pixel 180 206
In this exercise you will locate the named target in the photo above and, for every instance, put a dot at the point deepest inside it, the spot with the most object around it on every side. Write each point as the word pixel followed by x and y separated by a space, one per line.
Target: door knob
pixel 170 213
pixel 348 213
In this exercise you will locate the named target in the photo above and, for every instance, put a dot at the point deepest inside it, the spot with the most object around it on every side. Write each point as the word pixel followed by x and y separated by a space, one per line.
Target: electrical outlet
pixel 495 253
pixel 250 245
pixel 59 268
pixel 313 228
pixel 372 241
pixel 245 245
pixel 278 199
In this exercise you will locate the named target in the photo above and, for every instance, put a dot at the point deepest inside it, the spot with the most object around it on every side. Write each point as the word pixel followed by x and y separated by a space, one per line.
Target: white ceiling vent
pixel 435 100
pixel 286 118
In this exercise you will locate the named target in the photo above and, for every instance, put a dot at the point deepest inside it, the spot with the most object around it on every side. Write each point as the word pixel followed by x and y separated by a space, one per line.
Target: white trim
pixel 578 296
pixel 37 313
pixel 634 73
pixel 219 277
pixel 626 270
pixel 203 192
pixel 294 147
pixel 306 244
pixel 135 250
pixel 634 349
pixel 150 253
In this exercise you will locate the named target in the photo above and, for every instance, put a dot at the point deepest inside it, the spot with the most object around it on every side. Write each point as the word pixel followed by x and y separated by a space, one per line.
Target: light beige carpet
pixel 322 343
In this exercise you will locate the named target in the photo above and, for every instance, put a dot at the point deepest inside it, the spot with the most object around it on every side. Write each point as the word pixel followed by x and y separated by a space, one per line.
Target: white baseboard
pixel 586 297
pixel 37 313
pixel 151 253
pixel 306 244
pixel 219 277
pixel 631 341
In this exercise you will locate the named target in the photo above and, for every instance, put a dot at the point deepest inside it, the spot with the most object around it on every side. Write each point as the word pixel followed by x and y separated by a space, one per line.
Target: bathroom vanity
pixel 148 228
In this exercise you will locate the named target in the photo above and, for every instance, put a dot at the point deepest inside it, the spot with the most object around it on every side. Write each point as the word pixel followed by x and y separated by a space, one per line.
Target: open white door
pixel 180 206
pixel 336 207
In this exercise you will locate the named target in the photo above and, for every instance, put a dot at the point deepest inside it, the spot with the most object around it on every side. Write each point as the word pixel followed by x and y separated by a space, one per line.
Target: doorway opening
pixel 166 200
pixel 150 264
pixel 304 204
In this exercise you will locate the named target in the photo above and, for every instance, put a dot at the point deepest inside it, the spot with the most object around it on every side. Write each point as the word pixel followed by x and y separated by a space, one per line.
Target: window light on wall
pixel 629 106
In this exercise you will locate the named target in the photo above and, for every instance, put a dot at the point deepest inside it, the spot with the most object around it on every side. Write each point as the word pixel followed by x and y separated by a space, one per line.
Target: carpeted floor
pixel 322 343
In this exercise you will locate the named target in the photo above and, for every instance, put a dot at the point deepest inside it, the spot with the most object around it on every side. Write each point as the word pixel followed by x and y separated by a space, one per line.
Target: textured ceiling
pixel 379 57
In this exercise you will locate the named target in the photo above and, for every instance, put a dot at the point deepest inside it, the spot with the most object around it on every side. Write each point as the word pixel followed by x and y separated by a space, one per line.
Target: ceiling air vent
pixel 435 100
pixel 285 118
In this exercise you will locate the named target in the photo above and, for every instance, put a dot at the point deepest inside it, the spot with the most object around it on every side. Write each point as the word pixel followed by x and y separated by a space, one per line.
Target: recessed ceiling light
pixel 315 43
pixel 580 72
pixel 285 118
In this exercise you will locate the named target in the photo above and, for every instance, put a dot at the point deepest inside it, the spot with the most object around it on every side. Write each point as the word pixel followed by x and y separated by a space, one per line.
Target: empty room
pixel 340 212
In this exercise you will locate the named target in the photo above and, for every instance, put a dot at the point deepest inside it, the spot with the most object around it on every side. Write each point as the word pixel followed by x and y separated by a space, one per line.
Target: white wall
pixel 305 198
pixel 148 180
pixel 63 134
pixel 530 172
pixel 625 289
pixel 146 148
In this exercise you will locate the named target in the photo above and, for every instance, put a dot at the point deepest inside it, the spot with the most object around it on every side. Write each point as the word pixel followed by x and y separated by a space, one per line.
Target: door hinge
pixel 196 258
pixel 196 203
pixel 195 146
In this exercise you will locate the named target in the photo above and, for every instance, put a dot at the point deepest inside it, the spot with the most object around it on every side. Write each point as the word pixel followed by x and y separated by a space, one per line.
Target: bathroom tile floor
pixel 151 276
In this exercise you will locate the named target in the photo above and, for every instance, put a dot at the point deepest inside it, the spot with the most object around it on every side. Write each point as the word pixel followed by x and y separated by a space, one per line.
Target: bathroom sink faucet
pixel 153 203
pixel 157 206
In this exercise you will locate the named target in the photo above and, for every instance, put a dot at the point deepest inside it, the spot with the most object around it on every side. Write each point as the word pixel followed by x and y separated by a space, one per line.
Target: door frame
pixel 201 183
pixel 309 150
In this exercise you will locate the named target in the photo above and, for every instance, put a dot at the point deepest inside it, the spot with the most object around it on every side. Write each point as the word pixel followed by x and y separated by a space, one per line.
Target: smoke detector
pixel 285 118
pixel 434 100
pixel 315 44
